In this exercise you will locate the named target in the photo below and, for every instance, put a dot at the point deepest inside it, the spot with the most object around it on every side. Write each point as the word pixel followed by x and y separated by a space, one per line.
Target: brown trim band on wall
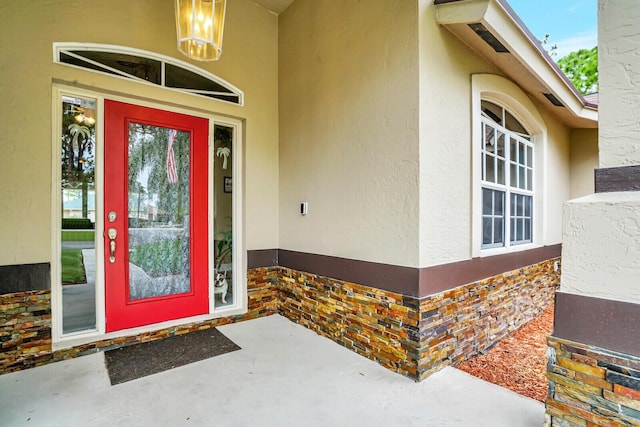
pixel 410 281
pixel 448 276
pixel 262 258
pixel 623 178
pixel 393 278
pixel 599 322
pixel 24 278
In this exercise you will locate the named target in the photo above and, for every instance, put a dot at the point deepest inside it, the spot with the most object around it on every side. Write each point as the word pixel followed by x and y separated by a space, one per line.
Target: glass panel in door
pixel 158 211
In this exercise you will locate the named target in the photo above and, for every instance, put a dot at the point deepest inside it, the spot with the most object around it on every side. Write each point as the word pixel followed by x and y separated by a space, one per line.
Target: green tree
pixel 581 67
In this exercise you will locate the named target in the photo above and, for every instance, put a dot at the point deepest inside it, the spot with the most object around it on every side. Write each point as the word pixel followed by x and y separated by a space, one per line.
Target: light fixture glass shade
pixel 199 28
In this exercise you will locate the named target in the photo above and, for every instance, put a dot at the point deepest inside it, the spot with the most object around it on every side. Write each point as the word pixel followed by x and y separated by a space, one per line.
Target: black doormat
pixel 139 360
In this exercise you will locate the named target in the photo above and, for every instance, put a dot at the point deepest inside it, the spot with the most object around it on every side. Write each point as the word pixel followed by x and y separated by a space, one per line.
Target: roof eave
pixel 525 61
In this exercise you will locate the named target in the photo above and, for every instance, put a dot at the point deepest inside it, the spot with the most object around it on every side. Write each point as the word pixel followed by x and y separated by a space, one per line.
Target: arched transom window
pixel 146 67
pixel 507 179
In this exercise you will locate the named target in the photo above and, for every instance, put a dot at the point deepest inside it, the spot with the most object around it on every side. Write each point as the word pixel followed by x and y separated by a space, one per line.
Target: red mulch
pixel 519 361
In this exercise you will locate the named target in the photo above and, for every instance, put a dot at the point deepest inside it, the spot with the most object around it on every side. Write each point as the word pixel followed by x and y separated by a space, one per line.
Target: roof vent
pixel 552 99
pixel 489 38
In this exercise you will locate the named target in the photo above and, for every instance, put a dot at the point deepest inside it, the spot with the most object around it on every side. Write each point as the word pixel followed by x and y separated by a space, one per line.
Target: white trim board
pixel 239 305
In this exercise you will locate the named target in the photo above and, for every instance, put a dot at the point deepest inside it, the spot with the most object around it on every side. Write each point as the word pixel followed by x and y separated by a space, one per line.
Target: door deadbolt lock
pixel 111 216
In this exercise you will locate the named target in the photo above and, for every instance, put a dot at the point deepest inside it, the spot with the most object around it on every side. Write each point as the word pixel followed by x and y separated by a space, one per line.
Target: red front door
pixel 155 215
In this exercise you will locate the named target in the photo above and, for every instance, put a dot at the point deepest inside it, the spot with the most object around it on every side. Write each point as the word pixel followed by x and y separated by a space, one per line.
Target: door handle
pixel 112 233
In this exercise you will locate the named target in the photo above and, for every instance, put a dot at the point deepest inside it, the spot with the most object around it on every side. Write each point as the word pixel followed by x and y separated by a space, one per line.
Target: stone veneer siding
pixel 374 323
pixel 591 386
pixel 416 337
pixel 25 329
pixel 25 324
pixel 412 336
pixel 469 320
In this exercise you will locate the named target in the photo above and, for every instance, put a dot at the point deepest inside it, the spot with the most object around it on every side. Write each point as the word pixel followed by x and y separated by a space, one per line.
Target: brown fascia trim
pixel 534 40
pixel 608 324
pixel 25 278
pixel 409 281
pixel 622 178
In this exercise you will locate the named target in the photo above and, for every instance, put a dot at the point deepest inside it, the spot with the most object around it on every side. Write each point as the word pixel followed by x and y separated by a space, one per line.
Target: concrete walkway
pixel 284 375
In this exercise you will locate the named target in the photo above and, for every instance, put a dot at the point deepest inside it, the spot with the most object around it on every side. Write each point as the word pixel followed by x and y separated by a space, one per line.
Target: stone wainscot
pixel 411 336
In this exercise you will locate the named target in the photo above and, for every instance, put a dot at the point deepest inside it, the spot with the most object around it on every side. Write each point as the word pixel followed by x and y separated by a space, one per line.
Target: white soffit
pixel 517 53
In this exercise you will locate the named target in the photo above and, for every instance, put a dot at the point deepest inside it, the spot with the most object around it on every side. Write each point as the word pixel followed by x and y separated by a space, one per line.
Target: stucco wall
pixel 557 181
pixel 349 129
pixel 446 69
pixel 601 244
pixel 27 70
pixel 349 101
pixel 446 65
pixel 584 160
pixel 619 98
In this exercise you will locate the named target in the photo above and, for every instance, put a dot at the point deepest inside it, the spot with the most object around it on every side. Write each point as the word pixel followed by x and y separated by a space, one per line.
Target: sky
pixel 571 24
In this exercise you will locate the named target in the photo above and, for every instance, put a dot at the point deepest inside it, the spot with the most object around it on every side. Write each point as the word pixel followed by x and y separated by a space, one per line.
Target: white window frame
pixel 239 272
pixel 508 188
pixel 508 95
pixel 240 303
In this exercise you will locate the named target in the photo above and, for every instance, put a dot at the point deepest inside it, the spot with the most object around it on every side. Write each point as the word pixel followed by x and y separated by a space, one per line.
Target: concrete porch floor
pixel 284 375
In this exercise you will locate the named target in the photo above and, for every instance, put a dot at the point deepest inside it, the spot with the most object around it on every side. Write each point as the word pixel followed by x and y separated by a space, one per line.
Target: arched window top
pixel 146 67
pixel 504 118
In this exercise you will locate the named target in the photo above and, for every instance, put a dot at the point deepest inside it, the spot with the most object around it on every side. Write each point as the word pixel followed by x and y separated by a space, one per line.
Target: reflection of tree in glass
pixel 222 136
pixel 77 159
pixel 137 200
pixel 148 150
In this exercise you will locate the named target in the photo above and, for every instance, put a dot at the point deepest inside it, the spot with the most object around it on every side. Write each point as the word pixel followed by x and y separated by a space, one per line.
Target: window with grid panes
pixel 507 179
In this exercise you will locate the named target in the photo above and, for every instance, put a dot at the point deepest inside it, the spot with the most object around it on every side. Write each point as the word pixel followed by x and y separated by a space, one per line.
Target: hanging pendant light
pixel 199 28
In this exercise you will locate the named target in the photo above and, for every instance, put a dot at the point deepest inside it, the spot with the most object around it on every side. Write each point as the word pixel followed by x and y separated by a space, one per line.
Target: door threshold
pixel 80 338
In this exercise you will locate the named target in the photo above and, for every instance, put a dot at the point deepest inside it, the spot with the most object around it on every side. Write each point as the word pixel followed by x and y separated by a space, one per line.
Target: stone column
pixel 594 356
